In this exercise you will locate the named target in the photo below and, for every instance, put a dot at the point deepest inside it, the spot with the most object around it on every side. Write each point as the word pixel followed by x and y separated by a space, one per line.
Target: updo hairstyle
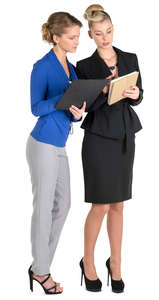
pixel 56 24
pixel 95 13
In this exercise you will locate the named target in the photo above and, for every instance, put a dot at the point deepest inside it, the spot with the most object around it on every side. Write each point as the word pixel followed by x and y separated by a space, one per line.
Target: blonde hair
pixel 95 13
pixel 56 24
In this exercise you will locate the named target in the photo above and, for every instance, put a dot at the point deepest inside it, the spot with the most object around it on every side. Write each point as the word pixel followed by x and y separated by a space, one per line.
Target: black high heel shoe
pixel 91 285
pixel 117 285
pixel 47 291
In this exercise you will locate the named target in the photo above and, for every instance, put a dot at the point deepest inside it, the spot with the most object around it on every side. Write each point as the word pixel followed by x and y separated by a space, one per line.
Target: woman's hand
pixel 77 113
pixel 133 93
pixel 106 88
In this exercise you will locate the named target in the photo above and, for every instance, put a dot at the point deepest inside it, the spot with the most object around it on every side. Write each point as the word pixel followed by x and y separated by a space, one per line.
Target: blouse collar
pixel 60 67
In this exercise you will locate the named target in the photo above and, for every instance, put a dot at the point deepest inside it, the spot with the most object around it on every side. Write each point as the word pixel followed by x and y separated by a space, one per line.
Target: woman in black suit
pixel 108 147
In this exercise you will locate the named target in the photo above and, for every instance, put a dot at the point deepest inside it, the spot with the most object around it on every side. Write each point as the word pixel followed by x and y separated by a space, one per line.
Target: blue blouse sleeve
pixel 74 120
pixel 38 88
pixel 71 116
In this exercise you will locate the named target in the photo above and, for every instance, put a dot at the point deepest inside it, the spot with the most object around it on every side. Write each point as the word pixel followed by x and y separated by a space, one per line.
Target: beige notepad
pixel 118 85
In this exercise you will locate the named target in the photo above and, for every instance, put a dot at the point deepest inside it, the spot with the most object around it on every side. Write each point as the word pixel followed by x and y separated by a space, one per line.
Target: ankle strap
pixel 45 279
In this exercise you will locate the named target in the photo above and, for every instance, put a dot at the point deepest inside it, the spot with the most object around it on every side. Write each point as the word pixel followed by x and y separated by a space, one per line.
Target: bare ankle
pixel 88 261
pixel 116 261
pixel 39 276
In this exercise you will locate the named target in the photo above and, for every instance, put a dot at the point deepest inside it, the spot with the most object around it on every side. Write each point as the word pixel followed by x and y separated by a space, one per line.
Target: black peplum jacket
pixel 118 120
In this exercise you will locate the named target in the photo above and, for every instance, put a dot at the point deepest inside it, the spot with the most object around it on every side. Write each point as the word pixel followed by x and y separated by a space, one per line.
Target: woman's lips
pixel 106 44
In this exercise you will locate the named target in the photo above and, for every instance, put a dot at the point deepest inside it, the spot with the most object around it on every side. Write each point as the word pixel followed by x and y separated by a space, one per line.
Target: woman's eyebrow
pixel 101 31
pixel 73 34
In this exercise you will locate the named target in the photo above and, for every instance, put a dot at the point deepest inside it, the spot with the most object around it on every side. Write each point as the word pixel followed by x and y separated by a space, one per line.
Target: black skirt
pixel 107 168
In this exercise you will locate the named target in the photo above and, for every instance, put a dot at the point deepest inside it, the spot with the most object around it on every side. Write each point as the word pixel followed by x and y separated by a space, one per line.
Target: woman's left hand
pixel 77 113
pixel 133 93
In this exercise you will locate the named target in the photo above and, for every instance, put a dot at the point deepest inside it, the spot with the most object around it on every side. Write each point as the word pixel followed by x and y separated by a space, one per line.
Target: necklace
pixel 108 59
pixel 112 67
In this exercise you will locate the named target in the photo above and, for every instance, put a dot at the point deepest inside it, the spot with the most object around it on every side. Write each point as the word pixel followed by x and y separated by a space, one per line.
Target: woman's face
pixel 69 40
pixel 102 33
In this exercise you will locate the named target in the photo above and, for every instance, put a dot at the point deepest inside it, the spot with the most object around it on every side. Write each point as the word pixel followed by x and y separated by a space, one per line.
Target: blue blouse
pixel 49 81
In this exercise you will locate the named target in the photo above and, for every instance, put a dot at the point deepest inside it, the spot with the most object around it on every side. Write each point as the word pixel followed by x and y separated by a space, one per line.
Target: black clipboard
pixel 81 90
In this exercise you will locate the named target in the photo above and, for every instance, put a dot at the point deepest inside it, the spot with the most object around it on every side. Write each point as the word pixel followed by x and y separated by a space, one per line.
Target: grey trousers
pixel 50 178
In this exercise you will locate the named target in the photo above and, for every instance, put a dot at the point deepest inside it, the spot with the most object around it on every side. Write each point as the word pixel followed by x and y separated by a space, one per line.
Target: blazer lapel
pixel 100 68
pixel 122 65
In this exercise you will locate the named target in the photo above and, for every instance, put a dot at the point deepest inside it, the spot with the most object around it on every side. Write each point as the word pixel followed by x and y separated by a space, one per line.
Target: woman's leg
pixel 91 231
pixel 115 230
pixel 62 202
pixel 43 165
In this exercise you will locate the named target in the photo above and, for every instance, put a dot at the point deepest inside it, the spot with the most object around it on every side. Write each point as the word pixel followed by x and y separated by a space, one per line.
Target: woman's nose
pixel 104 37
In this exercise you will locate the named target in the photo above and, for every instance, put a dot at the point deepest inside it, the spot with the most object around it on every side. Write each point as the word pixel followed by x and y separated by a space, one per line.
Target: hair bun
pixel 46 36
pixel 94 13
pixel 91 10
pixel 45 26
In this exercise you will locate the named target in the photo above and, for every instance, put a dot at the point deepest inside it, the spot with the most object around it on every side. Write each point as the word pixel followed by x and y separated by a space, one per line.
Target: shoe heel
pixel 31 284
pixel 108 278
pixel 81 277
pixel 30 280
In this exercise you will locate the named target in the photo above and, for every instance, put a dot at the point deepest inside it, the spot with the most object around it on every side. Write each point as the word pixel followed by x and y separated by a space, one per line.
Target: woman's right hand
pixel 78 112
pixel 106 88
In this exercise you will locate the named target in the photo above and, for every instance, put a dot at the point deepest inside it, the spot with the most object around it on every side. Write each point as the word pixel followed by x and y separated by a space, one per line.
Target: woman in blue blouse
pixel 45 151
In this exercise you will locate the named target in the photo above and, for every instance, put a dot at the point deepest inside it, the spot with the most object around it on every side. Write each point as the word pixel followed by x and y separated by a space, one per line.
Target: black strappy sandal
pixel 31 278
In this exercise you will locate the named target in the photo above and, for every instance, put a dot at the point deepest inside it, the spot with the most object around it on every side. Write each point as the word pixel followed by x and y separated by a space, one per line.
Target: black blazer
pixel 115 120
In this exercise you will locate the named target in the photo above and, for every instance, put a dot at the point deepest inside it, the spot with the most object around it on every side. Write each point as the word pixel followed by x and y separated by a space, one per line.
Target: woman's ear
pixel 55 38
pixel 90 34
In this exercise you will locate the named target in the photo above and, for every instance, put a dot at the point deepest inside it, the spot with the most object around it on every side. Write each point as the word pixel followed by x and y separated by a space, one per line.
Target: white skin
pixel 102 33
pixel 65 43
pixel 68 42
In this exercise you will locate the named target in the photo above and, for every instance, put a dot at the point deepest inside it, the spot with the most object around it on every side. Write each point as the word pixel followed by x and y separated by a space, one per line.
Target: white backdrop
pixel 135 25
